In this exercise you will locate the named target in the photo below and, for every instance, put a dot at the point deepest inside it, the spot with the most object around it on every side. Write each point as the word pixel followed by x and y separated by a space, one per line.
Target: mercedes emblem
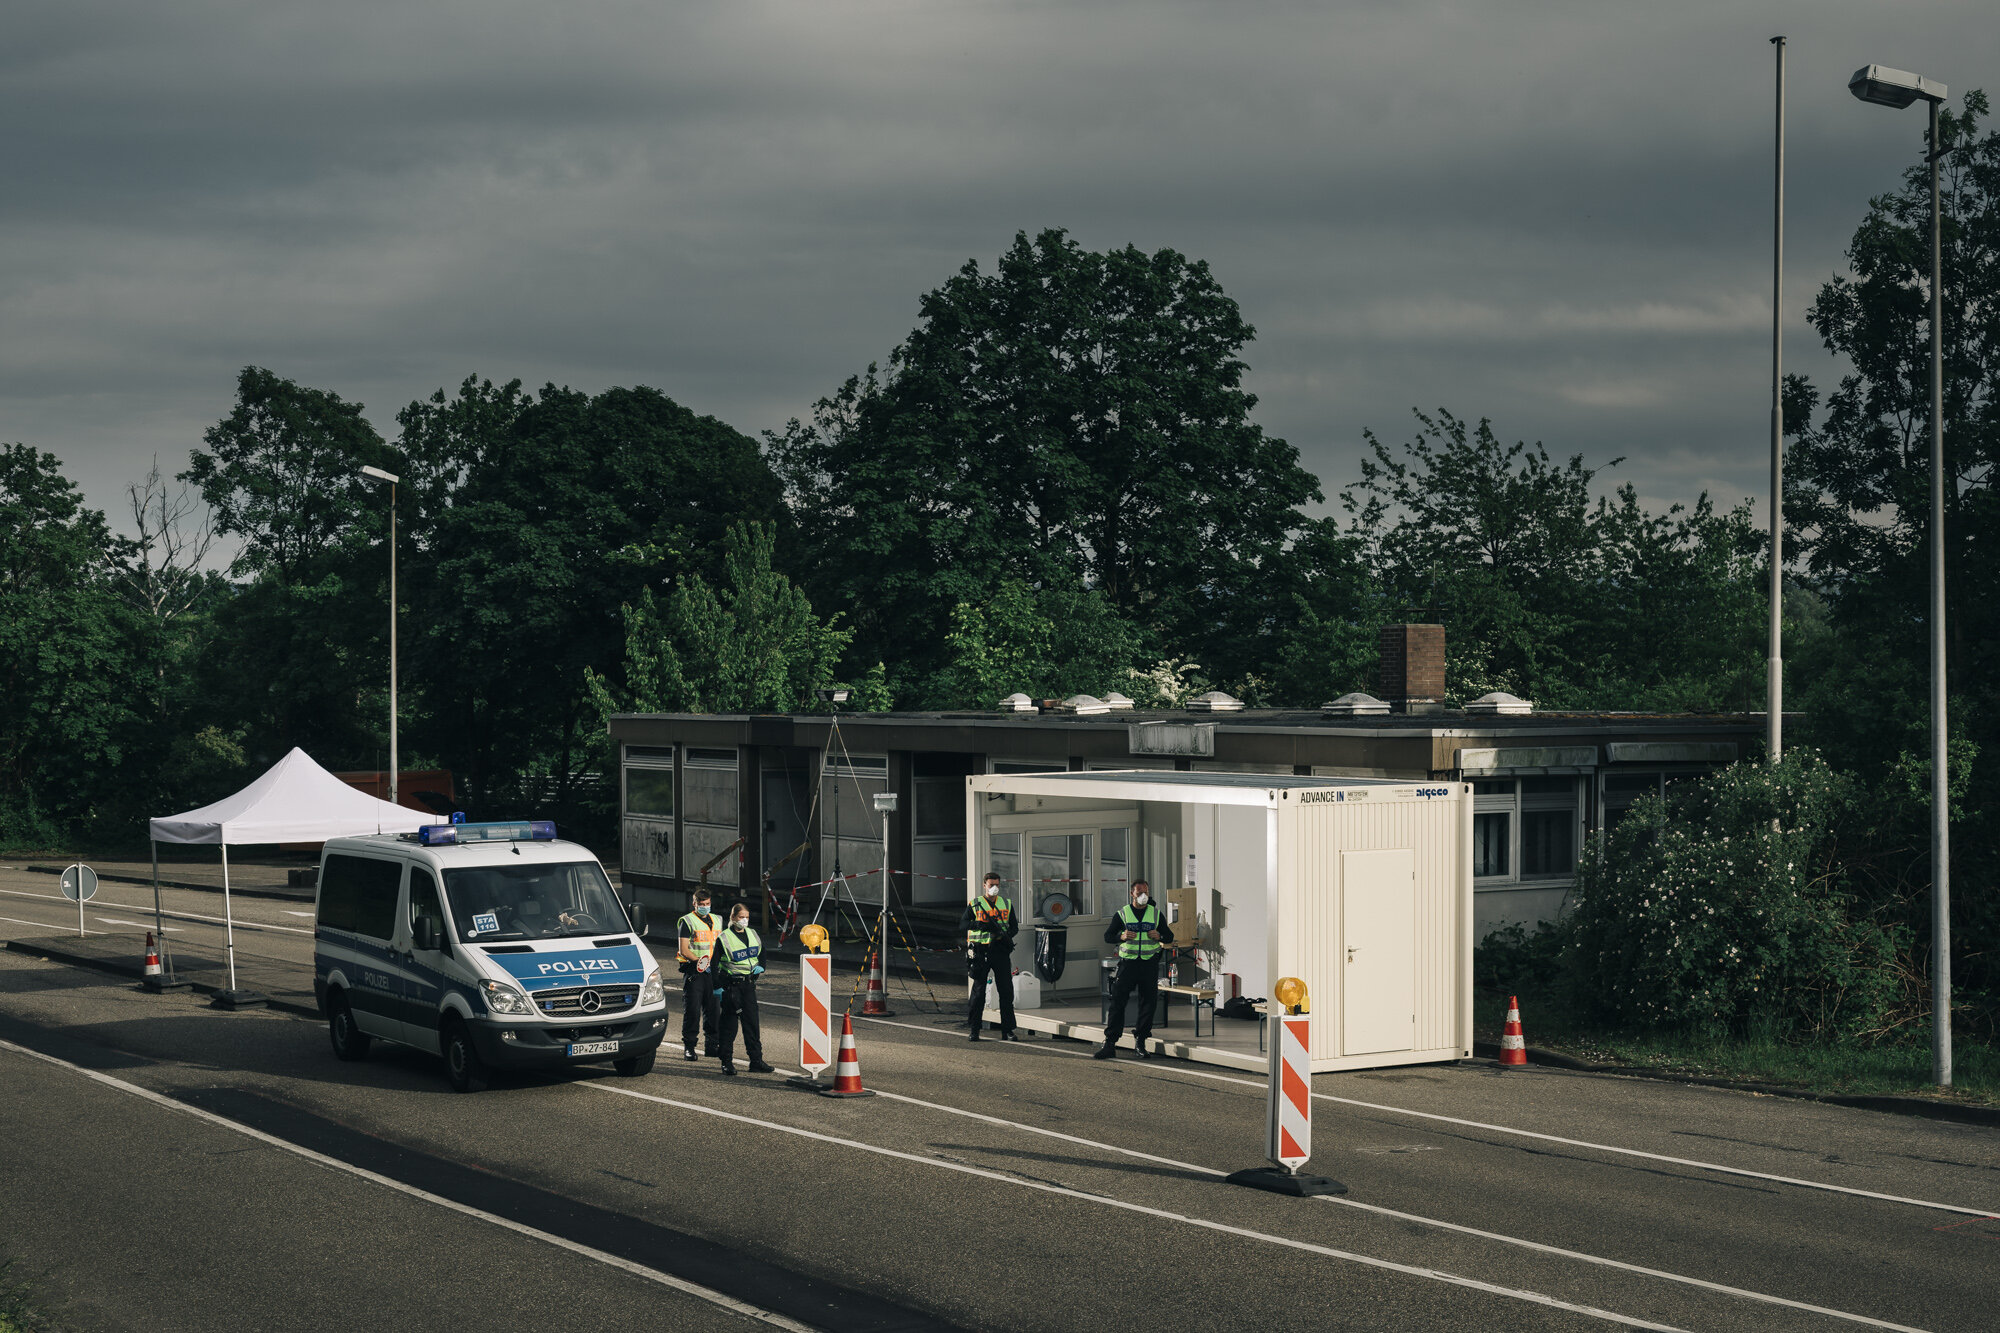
pixel 589 1002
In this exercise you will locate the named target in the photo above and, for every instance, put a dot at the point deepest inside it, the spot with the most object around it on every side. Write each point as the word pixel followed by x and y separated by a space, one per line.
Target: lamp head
pixel 1893 87
pixel 380 475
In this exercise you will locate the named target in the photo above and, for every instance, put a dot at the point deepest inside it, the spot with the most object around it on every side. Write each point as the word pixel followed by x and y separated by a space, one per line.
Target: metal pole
pixel 1775 683
pixel 228 920
pixel 393 764
pixel 882 928
pixel 1940 776
pixel 79 900
pixel 159 920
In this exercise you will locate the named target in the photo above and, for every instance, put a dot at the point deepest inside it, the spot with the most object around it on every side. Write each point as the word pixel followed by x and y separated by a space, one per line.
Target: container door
pixel 1378 924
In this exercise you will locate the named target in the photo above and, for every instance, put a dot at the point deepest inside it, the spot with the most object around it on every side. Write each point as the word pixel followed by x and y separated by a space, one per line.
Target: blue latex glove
pixel 757 971
pixel 718 992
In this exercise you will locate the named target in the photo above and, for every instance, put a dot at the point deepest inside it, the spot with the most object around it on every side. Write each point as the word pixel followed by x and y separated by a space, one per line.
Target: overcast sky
pixel 1553 214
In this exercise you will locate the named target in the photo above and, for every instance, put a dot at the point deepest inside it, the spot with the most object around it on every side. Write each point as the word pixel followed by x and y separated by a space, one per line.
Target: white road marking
pixel 178 916
pixel 1410 1270
pixel 1413 1217
pixel 1626 1152
pixel 121 921
pixel 289 912
pixel 714 1297
pixel 1179 1067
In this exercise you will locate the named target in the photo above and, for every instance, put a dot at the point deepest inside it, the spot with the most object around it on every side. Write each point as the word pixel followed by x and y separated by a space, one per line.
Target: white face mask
pixel 740 924
pixel 993 890
pixel 1139 900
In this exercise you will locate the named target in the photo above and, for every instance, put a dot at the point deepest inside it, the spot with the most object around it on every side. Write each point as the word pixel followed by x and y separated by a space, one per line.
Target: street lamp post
pixel 379 475
pixel 1775 670
pixel 1898 88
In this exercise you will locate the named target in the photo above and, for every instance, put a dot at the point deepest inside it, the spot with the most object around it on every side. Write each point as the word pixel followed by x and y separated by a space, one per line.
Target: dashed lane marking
pixel 240 923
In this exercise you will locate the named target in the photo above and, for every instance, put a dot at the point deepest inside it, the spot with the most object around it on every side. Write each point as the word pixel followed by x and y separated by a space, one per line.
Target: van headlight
pixel 504 999
pixel 652 992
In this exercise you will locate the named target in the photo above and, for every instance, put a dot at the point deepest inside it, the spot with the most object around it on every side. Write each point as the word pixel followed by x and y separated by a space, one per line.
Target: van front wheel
pixel 349 1041
pixel 462 1065
pixel 636 1066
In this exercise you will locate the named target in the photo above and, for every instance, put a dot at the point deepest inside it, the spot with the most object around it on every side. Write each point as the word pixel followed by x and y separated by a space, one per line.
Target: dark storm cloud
pixel 1556 215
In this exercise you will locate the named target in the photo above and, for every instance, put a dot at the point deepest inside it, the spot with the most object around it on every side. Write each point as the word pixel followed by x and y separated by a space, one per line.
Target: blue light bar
pixel 506 830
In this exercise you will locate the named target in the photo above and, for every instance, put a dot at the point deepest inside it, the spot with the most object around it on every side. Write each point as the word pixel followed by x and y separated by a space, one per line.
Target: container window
pixel 1061 863
pixel 1489 845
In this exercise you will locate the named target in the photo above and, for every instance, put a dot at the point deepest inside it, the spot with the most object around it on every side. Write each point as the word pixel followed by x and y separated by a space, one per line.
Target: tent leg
pixel 232 998
pixel 167 980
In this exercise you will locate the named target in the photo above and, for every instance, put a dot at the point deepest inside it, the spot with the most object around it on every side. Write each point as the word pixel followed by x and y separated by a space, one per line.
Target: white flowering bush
pixel 1723 907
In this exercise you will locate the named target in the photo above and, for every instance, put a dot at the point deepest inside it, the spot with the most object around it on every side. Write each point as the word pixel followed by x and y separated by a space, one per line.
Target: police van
pixel 494 945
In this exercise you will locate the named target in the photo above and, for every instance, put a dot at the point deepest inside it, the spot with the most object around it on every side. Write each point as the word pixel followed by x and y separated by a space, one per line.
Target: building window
pixel 1526 828
pixel 1548 843
pixel 649 792
pixel 1489 844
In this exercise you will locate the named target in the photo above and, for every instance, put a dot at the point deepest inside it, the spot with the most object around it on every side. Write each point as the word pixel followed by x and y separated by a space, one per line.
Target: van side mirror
pixel 424 933
pixel 637 911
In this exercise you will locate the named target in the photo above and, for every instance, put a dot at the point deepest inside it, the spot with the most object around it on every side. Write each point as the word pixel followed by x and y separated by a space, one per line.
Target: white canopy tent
pixel 295 801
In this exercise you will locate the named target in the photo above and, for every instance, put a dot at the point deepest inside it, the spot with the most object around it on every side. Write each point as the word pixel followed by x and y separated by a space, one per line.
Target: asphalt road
pixel 989 1186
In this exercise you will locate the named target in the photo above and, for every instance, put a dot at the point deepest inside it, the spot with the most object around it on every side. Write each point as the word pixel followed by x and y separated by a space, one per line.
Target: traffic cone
pixel 847 1073
pixel 152 968
pixel 1513 1046
pixel 877 1003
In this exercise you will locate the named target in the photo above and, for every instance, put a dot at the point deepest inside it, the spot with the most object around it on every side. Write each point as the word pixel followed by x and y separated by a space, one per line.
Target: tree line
pixel 1055 484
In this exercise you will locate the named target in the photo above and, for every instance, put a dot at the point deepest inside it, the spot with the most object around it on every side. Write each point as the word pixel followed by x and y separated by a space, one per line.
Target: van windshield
pixel 532 902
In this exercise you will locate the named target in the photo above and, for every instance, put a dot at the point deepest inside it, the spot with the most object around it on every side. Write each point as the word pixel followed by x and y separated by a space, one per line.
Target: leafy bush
pixel 1724 907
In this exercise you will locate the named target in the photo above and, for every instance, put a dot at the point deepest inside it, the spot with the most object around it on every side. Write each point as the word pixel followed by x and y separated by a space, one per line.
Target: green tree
pixel 542 517
pixel 1728 906
pixel 1858 495
pixel 1550 593
pixel 1044 642
pixel 1071 416
pixel 750 645
pixel 299 654
pixel 75 674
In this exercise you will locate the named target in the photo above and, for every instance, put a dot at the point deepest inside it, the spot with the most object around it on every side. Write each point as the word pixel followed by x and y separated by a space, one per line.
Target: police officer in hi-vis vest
pixel 697 949
pixel 990 928
pixel 1138 930
pixel 739 961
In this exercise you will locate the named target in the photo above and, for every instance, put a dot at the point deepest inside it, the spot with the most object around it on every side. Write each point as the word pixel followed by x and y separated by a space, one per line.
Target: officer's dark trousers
pixel 739 1007
pixel 698 1009
pixel 1135 976
pixel 1000 962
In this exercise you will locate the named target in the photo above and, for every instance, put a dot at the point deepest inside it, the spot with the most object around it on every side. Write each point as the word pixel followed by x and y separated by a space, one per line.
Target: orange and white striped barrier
pixel 1289 1137
pixel 1513 1046
pixel 815 1013
pixel 877 1003
pixel 847 1075
pixel 1288 1112
pixel 152 968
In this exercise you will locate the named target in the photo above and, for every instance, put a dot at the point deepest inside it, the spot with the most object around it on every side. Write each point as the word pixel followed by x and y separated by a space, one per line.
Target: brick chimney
pixel 1412 672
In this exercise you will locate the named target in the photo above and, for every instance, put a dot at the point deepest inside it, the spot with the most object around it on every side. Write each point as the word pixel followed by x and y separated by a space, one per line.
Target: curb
pixel 131 972
pixel 235 890
pixel 1893 1104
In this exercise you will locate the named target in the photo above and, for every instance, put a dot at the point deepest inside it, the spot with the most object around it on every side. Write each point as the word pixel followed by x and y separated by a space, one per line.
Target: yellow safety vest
pixel 700 933
pixel 740 953
pixel 1142 921
pixel 988 921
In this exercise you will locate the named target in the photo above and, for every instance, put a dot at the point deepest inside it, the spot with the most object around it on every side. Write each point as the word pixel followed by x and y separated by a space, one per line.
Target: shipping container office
pixel 1360 887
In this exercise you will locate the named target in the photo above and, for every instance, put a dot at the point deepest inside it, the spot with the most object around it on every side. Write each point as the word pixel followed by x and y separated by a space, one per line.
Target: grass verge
pixel 1902 1069
pixel 20 1311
